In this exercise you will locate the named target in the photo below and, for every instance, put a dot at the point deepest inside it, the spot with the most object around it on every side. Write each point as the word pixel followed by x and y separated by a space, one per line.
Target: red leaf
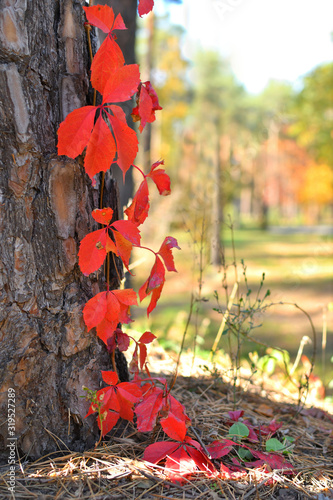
pixel 147 411
pixel 147 104
pixel 218 449
pixel 129 391
pixel 107 309
pixel 92 251
pixel 137 212
pixel 124 248
pixel 126 297
pixel 74 132
pixel 161 179
pixel 95 310
pixel 101 149
pixel 179 464
pixel 174 428
pixel 147 337
pixel 102 17
pixel 166 254
pixel 153 284
pixel 103 215
pixel 108 58
pixel 235 415
pixel 177 409
pixel 156 452
pixel 111 418
pixel 126 140
pixel 271 428
pixel 128 230
pixel 145 6
pixel 109 377
pixel 118 340
pixel 202 461
pixel 121 84
pixel 105 330
pixel 143 355
pixel 274 460
pixel 144 110
pixel 157 276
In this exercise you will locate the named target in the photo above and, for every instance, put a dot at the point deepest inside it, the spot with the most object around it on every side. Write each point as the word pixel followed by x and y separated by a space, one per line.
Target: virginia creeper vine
pixel 102 131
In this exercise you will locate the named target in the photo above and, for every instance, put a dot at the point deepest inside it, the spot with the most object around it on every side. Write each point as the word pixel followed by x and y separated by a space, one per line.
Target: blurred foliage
pixel 313 114
pixel 273 150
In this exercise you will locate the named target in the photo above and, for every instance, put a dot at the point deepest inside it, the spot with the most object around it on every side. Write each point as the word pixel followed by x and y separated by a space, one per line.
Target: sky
pixel 263 39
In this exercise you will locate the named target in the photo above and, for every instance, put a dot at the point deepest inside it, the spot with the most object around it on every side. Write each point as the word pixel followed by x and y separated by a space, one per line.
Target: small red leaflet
pixel 155 282
pixel 96 245
pixel 145 6
pixel 137 212
pixel 183 458
pixel 147 104
pixel 116 400
pixel 106 309
pixel 105 145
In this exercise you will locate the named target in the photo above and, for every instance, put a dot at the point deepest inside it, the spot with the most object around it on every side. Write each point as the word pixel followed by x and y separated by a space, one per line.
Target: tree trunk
pixel 46 353
pixel 126 41
pixel 217 211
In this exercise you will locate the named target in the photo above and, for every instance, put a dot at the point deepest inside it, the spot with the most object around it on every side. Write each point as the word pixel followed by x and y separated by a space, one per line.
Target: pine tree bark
pixel 46 353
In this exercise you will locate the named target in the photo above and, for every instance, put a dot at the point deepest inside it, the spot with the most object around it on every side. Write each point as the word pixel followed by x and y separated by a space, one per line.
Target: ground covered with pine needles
pixel 115 468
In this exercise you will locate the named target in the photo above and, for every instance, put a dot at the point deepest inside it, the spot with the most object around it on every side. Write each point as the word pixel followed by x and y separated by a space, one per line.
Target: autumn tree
pixel 46 201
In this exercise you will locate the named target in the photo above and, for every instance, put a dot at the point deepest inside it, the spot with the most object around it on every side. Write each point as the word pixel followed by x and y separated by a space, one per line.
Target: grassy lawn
pixel 298 269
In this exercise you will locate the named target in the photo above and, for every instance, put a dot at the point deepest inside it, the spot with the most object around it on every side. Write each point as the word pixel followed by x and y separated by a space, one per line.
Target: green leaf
pixel 274 444
pixel 239 431
pixel 244 454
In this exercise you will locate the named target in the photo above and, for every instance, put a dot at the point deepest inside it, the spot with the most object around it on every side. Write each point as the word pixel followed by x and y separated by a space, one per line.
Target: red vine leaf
pixel 108 58
pixel 147 338
pixel 119 340
pixel 116 401
pixel 182 458
pixel 161 179
pixel 156 452
pixel 109 377
pixel 147 410
pixel 78 130
pixel 153 285
pixel 145 6
pixel 101 149
pixel 173 427
pixel 137 212
pixel 102 16
pixel 75 131
pixel 147 104
pixel 93 251
pixel 106 309
pixel 103 215
pixel 126 139
pixel 166 253
pixel 218 449
pixel 121 84
pixel 128 230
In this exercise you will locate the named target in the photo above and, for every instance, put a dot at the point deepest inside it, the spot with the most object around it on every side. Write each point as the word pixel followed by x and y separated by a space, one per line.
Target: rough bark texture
pixel 46 354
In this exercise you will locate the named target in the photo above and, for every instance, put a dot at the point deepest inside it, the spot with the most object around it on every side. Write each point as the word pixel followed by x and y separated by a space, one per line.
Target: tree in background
pixel 313 114
pixel 216 117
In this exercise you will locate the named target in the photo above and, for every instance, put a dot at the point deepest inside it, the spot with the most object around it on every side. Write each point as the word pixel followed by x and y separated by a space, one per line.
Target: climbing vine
pixel 102 132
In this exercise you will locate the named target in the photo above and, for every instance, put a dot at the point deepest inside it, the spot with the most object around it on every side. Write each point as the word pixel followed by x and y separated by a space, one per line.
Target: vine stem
pixel 87 27
pixel 139 169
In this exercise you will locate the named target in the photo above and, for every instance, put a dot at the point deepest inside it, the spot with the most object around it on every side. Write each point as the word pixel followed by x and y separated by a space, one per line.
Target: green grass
pixel 297 267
